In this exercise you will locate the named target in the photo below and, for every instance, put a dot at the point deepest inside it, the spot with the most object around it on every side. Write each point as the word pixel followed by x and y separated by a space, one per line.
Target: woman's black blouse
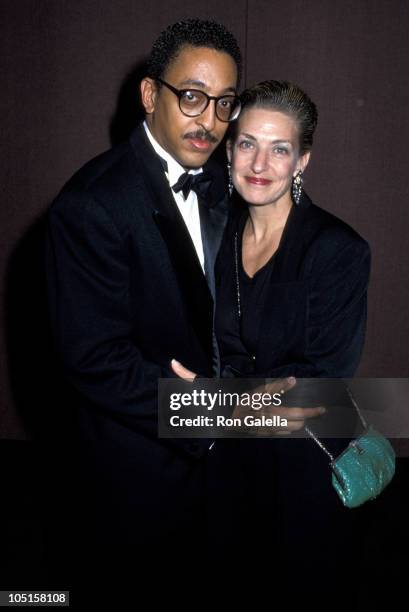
pixel 245 314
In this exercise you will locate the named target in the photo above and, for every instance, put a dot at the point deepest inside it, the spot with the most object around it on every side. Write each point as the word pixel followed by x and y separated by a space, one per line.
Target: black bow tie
pixel 199 183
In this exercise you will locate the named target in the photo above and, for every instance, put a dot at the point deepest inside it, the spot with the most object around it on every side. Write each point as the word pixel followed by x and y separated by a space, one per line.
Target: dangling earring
pixel 297 187
pixel 230 184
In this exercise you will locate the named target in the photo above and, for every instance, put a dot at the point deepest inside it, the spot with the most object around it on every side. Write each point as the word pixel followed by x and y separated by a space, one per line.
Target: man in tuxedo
pixel 132 242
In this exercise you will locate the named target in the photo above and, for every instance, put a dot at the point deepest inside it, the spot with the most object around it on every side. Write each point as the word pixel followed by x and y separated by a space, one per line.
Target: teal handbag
pixel 364 468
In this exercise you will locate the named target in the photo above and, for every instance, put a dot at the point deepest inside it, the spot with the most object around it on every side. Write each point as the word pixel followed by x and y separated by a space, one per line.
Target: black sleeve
pixel 89 300
pixel 337 312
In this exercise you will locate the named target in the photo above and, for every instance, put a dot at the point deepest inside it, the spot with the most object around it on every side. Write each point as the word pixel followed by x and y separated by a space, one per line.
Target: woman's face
pixel 265 156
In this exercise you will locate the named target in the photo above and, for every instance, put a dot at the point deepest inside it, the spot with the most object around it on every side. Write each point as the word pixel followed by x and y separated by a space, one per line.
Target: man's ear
pixel 229 147
pixel 303 162
pixel 148 94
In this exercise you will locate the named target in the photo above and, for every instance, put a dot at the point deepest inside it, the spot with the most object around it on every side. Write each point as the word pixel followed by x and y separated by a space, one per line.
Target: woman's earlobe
pixel 304 161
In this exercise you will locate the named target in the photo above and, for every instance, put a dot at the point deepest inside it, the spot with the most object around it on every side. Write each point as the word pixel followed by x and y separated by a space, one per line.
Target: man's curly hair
pixel 195 33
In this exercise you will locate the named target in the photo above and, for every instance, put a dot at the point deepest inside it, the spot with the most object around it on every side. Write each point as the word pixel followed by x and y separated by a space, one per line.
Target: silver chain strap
pixel 320 444
pixel 364 423
pixel 361 416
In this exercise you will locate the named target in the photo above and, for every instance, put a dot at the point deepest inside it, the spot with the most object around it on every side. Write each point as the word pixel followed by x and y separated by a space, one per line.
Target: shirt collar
pixel 175 170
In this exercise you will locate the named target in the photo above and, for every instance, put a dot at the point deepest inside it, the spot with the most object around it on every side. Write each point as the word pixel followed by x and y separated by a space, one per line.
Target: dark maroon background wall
pixel 68 89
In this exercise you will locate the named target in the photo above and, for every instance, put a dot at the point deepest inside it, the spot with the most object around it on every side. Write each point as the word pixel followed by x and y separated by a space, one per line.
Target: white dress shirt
pixel 189 208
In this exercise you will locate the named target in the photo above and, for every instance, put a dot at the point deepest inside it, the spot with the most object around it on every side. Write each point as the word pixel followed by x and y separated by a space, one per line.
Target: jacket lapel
pixel 213 219
pixel 188 271
pixel 288 256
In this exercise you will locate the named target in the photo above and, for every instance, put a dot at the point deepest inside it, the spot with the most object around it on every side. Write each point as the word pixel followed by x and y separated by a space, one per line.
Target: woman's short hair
pixel 286 98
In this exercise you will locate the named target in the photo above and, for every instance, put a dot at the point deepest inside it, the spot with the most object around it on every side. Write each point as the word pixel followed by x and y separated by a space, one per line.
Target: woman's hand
pixel 296 417
pixel 181 371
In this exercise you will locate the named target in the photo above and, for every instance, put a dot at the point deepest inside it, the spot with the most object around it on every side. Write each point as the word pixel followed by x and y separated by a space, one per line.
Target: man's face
pixel 190 140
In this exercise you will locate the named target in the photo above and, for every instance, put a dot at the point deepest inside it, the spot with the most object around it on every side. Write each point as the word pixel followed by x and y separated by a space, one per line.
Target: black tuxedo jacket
pixel 126 289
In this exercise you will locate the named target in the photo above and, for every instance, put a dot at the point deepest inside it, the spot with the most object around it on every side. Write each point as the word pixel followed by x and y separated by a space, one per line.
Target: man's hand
pixel 181 371
pixel 296 417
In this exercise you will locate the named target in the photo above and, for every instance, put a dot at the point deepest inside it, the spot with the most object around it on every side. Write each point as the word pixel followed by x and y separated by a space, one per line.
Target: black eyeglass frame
pixel 180 93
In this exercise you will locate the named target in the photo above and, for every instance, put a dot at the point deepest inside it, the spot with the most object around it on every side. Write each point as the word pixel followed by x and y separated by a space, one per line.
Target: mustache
pixel 202 135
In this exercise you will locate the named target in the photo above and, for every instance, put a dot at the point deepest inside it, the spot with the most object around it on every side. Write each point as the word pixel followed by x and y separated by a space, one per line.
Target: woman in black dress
pixel 291 301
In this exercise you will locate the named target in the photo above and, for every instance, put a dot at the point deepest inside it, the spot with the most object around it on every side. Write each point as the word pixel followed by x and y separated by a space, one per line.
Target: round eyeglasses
pixel 193 102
